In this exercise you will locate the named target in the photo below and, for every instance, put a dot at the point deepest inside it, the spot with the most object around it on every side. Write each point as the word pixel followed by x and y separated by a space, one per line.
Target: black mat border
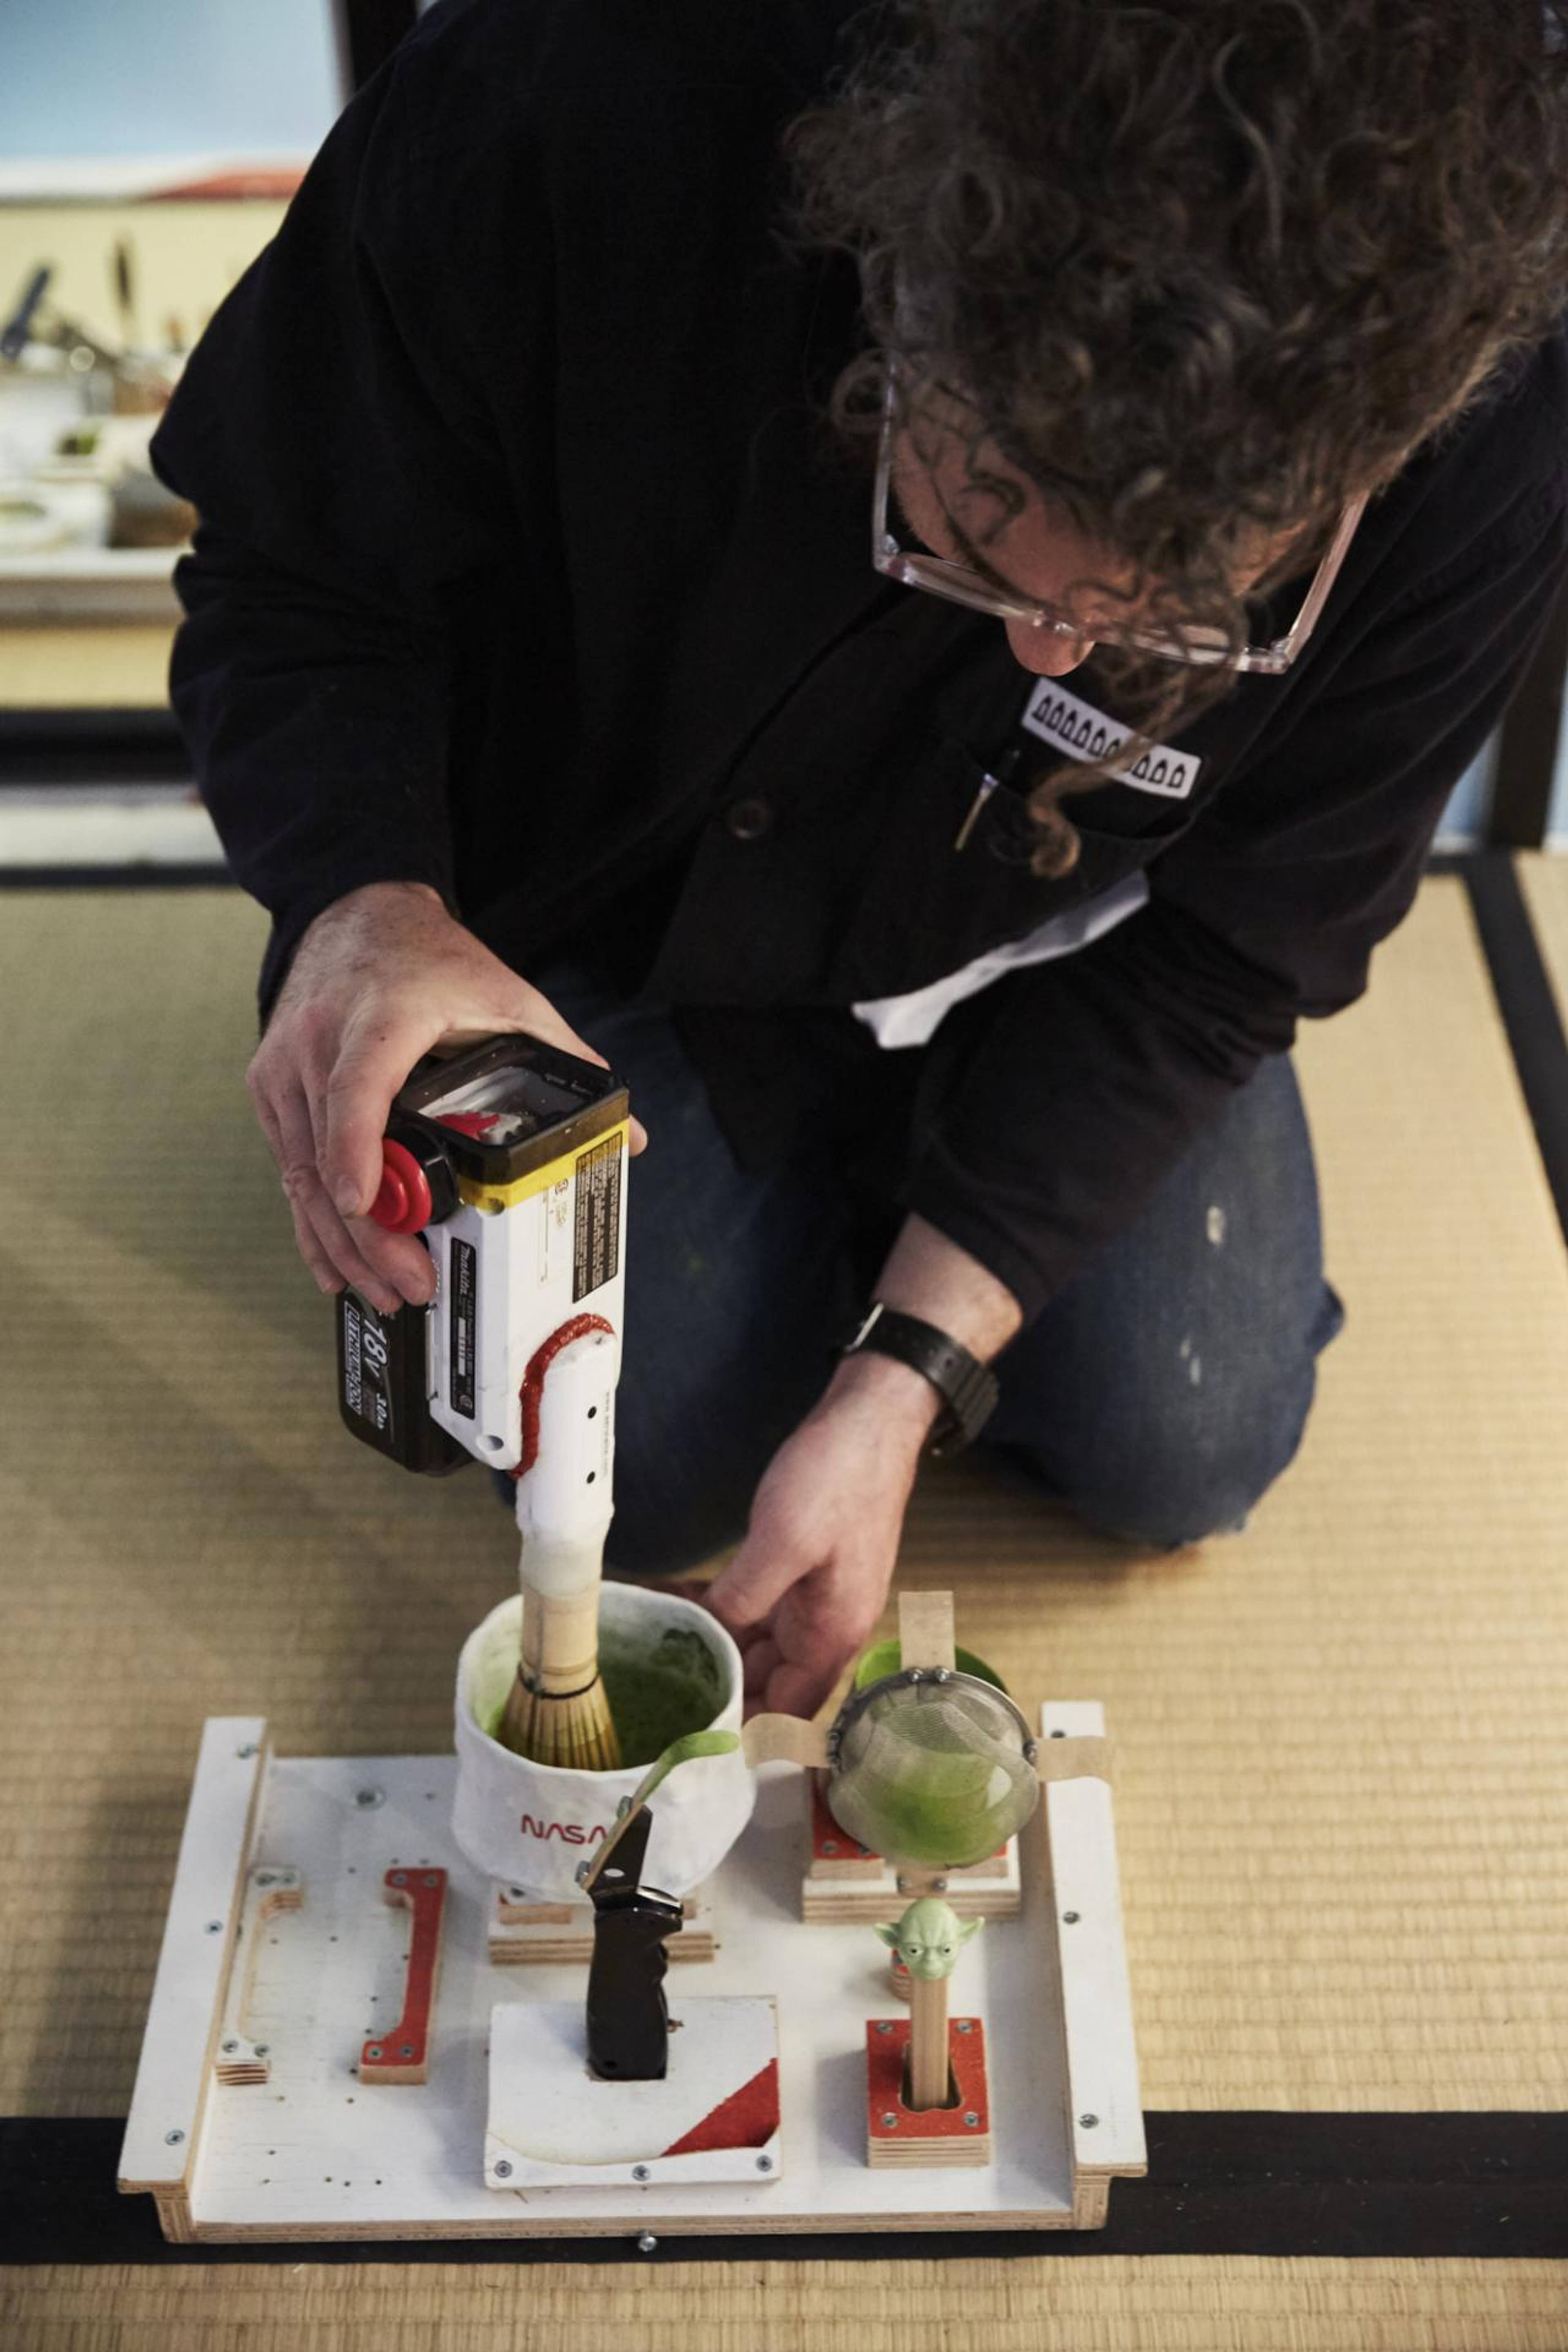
pixel 1370 2187
pixel 1530 1016
pixel 1530 740
pixel 106 746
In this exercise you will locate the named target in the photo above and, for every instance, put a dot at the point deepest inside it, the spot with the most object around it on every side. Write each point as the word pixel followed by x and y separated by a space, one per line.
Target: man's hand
pixel 377 980
pixel 803 1592
pixel 806 1587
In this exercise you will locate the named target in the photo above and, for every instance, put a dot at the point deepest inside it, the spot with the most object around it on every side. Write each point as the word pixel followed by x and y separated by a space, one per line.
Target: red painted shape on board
pixel 748 2119
pixel 578 1327
pixel 404 2053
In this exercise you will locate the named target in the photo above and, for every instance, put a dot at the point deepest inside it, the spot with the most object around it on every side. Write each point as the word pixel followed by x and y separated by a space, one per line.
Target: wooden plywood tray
pixel 296 2144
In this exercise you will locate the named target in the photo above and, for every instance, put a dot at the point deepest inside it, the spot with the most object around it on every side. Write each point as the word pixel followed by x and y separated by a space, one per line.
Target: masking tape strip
pixel 784 1738
pixel 925 1629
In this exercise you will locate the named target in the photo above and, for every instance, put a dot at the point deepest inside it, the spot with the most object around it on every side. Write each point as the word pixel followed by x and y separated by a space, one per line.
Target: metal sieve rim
pixel 948 1678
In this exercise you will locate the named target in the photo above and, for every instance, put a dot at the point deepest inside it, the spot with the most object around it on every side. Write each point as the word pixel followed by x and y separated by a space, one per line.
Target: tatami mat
pixel 1341 1736
pixel 1168 2304
pixel 1544 882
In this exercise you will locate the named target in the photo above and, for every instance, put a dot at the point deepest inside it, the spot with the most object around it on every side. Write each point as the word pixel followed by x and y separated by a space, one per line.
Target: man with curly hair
pixel 918 582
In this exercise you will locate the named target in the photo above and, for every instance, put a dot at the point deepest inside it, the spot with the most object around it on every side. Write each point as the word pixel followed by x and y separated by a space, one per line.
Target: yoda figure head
pixel 929 1937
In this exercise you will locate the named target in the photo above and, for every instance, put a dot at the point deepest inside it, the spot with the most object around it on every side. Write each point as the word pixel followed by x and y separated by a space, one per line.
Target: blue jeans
pixel 1160 1394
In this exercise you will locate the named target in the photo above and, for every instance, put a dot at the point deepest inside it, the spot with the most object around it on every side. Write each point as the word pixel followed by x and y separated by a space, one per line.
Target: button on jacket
pixel 530 569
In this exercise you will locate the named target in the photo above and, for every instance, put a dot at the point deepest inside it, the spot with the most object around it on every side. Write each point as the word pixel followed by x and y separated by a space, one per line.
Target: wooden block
pixel 404 2054
pixel 994 1866
pixel 268 1892
pixel 854 1907
pixel 898 2133
pixel 523 1934
pixel 513 1908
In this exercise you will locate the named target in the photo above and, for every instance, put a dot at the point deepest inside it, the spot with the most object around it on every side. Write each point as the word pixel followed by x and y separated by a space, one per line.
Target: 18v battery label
pixel 597 1229
pixel 364 1353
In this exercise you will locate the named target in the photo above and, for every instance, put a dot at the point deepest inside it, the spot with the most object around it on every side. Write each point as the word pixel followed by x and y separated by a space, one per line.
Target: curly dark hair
pixel 1202 268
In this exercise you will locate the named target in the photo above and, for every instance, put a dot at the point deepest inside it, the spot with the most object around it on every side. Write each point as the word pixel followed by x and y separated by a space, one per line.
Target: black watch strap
pixel 967 1386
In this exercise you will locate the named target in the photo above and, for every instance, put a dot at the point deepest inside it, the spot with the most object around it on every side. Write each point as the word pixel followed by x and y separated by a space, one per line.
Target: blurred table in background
pixel 85 665
pixel 181 254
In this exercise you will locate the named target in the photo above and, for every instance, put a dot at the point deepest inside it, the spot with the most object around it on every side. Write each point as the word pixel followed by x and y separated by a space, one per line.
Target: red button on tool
pixel 403 1203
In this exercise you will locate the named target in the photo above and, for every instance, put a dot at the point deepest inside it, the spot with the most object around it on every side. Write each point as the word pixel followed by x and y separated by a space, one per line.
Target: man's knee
pixel 1169 1478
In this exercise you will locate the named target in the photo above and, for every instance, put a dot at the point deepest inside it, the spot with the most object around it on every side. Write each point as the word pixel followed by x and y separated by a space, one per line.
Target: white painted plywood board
pixel 1104 2111
pixel 314 2152
pixel 193 1963
pixel 552 2124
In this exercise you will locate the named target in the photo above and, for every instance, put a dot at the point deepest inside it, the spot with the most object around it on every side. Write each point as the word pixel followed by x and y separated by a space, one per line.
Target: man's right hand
pixel 380 977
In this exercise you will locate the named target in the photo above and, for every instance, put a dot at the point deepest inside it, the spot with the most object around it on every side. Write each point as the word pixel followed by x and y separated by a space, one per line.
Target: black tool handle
pixel 628 2022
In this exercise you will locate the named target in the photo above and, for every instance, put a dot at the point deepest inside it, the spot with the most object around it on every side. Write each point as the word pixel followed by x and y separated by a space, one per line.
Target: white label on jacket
pixel 1072 725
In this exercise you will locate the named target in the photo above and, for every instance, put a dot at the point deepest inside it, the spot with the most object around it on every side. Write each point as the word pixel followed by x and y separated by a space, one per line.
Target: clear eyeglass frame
pixel 1198 648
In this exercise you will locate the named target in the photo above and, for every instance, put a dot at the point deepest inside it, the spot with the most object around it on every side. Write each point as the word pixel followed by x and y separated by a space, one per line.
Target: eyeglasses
pixel 1199 646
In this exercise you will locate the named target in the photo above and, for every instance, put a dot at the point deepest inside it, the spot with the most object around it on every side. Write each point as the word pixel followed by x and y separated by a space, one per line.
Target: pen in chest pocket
pixel 989 782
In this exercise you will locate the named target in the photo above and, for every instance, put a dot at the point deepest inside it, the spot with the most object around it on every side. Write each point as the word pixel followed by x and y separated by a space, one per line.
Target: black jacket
pixel 529 569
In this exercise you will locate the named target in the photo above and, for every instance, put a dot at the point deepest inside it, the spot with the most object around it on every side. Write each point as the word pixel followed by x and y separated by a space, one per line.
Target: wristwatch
pixel 967 1387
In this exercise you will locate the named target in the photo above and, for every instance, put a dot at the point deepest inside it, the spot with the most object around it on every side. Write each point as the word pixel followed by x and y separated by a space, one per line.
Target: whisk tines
pixel 570 1728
